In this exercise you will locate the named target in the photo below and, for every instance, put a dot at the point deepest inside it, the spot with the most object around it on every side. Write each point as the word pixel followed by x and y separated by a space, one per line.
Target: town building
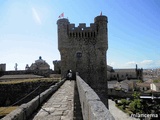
pixel 39 64
pixel 2 67
pixel 142 87
pixel 155 87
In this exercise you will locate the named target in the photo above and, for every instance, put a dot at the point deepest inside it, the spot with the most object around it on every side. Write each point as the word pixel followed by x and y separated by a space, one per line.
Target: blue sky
pixel 28 30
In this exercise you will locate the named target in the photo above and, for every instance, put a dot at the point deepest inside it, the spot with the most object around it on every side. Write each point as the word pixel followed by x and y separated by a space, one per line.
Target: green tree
pixel 124 103
pixel 156 81
pixel 139 81
pixel 136 105
pixel 136 95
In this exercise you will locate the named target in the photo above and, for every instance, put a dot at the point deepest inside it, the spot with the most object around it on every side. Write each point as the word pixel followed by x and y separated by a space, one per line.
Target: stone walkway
pixel 117 113
pixel 60 106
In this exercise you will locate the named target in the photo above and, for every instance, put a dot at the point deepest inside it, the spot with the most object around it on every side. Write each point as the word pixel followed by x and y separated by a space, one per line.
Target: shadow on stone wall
pixel 11 93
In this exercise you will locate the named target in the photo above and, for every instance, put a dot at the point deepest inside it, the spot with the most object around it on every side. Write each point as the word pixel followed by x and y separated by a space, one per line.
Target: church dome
pixel 40 64
pixel 40 60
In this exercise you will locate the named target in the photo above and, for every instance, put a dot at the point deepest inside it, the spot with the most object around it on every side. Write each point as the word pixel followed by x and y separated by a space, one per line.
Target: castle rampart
pixel 83 49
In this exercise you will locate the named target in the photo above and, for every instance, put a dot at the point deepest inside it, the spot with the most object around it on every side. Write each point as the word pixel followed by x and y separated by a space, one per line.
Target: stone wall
pixel 2 67
pixel 92 106
pixel 57 66
pixel 26 110
pixel 45 73
pixel 83 50
pixel 11 93
pixel 84 46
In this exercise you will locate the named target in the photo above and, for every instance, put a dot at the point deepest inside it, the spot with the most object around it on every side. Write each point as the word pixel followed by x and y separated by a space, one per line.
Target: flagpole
pixel 101 13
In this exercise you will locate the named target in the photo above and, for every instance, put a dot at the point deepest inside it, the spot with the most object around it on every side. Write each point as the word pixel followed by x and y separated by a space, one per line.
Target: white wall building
pixel 155 87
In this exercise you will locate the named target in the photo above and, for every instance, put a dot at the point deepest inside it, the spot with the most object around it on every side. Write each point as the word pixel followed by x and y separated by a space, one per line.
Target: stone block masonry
pixel 25 111
pixel 11 93
pixel 60 106
pixel 83 50
pixel 2 67
pixel 92 106
pixel 84 46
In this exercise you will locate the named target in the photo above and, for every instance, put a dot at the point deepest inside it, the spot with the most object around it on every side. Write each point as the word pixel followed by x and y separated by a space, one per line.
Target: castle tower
pixel 83 50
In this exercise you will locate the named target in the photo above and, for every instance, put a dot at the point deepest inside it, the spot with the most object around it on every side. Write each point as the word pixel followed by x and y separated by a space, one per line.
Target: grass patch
pixel 124 109
pixel 120 107
pixel 6 110
pixel 17 81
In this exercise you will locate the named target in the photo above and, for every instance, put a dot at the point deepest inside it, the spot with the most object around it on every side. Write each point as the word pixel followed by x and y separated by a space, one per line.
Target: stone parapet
pixel 26 110
pixel 92 106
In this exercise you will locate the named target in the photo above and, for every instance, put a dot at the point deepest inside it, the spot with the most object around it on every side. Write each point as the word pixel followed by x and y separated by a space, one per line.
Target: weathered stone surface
pixel 83 49
pixel 26 110
pixel 2 67
pixel 11 93
pixel 98 111
pixel 92 106
pixel 60 105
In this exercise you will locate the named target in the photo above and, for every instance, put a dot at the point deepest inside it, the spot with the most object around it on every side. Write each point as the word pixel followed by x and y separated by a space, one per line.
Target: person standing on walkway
pixel 69 75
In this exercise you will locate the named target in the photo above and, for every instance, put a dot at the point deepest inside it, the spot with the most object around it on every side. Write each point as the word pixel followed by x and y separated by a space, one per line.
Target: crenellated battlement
pixel 83 49
pixel 69 30
pixel 82 31
pixel 91 41
pixel 82 27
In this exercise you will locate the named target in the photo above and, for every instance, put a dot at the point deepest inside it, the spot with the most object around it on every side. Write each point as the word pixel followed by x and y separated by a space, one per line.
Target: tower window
pixel 79 54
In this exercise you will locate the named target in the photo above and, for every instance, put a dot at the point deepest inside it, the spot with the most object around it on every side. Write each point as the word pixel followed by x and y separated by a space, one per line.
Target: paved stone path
pixel 60 106
pixel 117 113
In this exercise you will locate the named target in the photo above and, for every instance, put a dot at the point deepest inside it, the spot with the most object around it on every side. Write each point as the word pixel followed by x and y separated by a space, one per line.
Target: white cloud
pixel 143 64
pixel 131 63
pixel 147 62
pixel 36 16
pixel 158 63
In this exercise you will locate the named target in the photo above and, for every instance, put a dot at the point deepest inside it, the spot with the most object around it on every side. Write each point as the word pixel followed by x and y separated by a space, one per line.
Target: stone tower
pixel 83 50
